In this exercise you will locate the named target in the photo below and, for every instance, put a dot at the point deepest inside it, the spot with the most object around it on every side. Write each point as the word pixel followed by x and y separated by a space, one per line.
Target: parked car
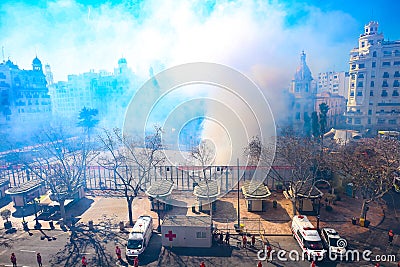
pixel 333 242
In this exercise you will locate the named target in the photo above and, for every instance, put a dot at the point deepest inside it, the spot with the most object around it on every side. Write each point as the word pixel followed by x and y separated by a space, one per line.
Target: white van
pixel 139 237
pixel 308 237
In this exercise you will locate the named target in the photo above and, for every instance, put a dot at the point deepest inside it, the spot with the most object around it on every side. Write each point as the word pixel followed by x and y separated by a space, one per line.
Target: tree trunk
pixel 294 206
pixel 129 200
pixel 364 209
pixel 62 209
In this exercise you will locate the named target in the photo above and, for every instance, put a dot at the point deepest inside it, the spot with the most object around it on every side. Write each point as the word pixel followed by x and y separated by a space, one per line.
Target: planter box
pixel 7 225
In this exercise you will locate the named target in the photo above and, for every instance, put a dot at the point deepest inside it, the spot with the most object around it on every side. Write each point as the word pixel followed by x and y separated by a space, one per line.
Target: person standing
pixel 253 240
pixel 39 259
pixel 259 264
pixel 118 252
pixel 244 241
pixel 313 264
pixel 136 262
pixel 221 238
pixel 227 236
pixel 202 264
pixel 13 259
pixel 84 261
pixel 269 256
pixel 390 235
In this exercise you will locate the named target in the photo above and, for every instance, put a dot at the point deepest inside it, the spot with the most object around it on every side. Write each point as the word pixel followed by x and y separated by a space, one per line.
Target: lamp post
pixel 37 224
pixel 158 214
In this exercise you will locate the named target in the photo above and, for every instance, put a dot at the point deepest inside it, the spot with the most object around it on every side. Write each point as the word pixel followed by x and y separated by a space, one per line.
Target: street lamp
pixel 158 214
pixel 37 225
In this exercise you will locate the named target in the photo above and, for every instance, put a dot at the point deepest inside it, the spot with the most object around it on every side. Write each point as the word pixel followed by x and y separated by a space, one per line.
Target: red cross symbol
pixel 170 236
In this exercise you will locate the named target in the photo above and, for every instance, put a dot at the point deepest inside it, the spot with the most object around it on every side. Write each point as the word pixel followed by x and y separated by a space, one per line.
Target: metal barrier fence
pixel 183 177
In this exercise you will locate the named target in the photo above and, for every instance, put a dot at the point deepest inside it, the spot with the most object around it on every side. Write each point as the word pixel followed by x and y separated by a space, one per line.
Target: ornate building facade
pixel 374 86
pixel 24 94
pixel 303 92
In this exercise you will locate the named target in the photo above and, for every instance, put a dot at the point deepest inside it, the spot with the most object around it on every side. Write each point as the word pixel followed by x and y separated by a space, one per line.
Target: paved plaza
pixel 64 246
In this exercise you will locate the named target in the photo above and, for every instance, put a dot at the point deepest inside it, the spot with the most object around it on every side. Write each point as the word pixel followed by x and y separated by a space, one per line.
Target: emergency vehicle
pixel 139 237
pixel 307 237
pixel 333 242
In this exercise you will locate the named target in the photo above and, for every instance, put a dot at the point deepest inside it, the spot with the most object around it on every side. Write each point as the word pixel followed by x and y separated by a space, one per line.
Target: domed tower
pixel 37 64
pixel 303 89
pixel 122 65
pixel 302 82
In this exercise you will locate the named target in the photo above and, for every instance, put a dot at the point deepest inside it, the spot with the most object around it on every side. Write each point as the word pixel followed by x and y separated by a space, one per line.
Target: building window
pixel 396 73
pixel 373 64
pixel 374 54
pixel 201 235
pixel 371 93
pixel 360 84
pixel 370 112
pixel 359 93
pixel 361 65
pixel 385 84
pixel 396 83
pixel 353 67
pixel 369 120
pixel 361 75
pixel 396 63
pixel 297 116
pixel 385 74
pixel 384 93
pixel 351 93
pixel 372 84
pixel 349 120
pixel 386 64
pixel 393 121
pixel 395 93
pixel 357 121
pixel 381 121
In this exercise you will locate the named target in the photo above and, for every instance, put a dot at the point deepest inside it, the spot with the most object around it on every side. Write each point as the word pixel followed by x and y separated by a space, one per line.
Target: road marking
pixel 87 253
pixel 24 250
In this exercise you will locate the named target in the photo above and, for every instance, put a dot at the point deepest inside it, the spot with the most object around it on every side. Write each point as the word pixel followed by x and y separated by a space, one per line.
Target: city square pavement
pixel 64 246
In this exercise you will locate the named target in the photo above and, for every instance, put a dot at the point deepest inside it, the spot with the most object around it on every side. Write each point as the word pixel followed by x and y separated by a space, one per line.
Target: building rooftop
pixel 255 190
pixel 207 189
pixel 307 189
pixel 25 187
pixel 183 220
pixel 160 188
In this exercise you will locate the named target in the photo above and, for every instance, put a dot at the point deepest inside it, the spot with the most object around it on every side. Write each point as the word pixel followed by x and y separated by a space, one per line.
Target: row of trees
pixel 61 159
pixel 369 164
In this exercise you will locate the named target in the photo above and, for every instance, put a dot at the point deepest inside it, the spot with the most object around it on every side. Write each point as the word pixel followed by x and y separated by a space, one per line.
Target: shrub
pixel 5 214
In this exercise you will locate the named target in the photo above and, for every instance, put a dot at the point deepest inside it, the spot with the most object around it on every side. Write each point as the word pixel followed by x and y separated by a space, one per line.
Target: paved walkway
pixel 108 211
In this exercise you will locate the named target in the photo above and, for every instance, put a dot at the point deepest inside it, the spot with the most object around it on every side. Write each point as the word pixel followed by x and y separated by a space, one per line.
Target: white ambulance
pixel 308 238
pixel 139 237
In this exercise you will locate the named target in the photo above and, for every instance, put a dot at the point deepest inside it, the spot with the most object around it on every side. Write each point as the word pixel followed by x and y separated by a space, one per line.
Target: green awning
pixel 255 190
pixel 25 187
pixel 160 188
pixel 207 189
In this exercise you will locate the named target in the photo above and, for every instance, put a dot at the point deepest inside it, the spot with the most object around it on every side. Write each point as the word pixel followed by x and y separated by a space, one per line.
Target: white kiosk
pixel 186 231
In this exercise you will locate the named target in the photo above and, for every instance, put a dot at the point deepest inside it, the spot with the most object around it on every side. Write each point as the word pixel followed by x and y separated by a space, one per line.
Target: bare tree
pixel 300 153
pixel 60 160
pixel 370 165
pixel 204 154
pixel 132 160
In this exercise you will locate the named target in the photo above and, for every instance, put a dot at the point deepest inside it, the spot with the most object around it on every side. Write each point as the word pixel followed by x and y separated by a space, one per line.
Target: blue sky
pixel 263 39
